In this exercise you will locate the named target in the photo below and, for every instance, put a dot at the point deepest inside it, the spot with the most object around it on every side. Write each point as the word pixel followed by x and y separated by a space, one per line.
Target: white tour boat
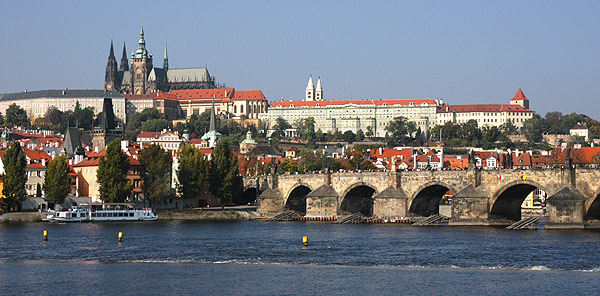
pixel 103 212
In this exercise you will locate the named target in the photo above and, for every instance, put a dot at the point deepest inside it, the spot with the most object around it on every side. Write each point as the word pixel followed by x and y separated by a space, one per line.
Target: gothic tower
pixel 141 65
pixel 110 78
pixel 310 90
pixel 319 91
pixel 124 60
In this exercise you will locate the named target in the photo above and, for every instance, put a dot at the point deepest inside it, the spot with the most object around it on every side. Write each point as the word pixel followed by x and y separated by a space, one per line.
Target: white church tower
pixel 319 91
pixel 310 90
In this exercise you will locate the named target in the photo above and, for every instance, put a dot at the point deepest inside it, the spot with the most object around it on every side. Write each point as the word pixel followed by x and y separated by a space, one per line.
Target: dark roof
pixel 392 192
pixel 59 93
pixel 158 74
pixel 470 191
pixel 323 191
pixel 72 141
pixel 271 194
pixel 566 194
pixel 268 150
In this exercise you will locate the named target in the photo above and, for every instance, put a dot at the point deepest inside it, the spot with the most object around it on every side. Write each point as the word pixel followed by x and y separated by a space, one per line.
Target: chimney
pixel 43 162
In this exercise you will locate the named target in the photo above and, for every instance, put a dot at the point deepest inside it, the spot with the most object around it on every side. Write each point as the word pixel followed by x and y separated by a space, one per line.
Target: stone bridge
pixel 482 197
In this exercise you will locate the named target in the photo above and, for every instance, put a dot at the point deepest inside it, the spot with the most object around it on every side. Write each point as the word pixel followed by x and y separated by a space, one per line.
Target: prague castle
pixel 143 77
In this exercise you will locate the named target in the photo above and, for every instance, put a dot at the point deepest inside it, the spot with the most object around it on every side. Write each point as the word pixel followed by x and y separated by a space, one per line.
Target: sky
pixel 466 52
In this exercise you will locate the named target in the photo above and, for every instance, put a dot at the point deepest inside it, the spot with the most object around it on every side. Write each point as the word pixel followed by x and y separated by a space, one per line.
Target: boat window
pixel 130 214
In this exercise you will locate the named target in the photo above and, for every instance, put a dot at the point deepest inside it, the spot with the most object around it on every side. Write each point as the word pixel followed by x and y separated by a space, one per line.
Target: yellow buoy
pixel 305 240
pixel 120 236
pixel 45 235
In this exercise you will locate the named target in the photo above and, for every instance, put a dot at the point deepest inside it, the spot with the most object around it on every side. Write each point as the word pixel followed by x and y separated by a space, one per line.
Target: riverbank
pixel 233 213
pixel 22 217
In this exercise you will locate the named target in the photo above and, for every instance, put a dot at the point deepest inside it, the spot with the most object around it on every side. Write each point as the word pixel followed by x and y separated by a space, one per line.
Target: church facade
pixel 143 77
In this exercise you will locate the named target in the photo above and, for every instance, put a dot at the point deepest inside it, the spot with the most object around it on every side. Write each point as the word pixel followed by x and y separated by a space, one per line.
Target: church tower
pixel 319 91
pixel 141 65
pixel 110 78
pixel 310 90
pixel 124 60
pixel 520 99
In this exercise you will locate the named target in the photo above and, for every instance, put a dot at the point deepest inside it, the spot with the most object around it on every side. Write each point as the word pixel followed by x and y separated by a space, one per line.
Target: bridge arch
pixel 358 198
pixel 592 209
pixel 248 195
pixel 427 197
pixel 296 198
pixel 506 201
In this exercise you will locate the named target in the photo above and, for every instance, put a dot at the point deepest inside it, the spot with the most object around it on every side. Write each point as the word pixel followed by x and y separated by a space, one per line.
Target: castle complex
pixel 143 77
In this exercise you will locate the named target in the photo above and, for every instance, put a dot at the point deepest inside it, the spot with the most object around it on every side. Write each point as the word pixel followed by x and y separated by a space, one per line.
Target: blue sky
pixel 463 51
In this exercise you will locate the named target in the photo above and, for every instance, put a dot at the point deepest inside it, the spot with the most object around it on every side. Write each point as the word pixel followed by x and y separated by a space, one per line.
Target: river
pixel 267 258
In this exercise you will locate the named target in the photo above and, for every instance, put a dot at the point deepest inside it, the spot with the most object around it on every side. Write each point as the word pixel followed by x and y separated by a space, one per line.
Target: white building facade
pixel 354 115
pixel 489 115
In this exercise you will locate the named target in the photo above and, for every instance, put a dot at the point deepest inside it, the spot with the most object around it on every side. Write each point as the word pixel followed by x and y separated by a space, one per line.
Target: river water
pixel 267 258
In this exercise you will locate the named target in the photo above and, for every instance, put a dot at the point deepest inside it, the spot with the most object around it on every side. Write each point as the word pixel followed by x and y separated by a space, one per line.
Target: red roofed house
pixel 87 174
pixel 516 112
pixel 166 139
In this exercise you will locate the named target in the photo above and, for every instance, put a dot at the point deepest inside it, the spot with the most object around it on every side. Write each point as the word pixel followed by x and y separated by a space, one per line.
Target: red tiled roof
pixel 153 135
pixel 519 96
pixel 37 165
pixel 482 108
pixel 205 94
pixel 36 154
pixel 249 95
pixel 455 163
pixel 405 102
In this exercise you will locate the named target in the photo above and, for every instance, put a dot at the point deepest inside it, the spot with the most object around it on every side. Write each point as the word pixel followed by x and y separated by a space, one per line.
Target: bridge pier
pixel 390 203
pixel 470 207
pixel 565 209
pixel 270 202
pixel 322 202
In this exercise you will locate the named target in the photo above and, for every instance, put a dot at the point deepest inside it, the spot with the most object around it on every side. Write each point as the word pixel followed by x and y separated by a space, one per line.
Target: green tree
pixel 360 135
pixel 154 125
pixel 398 130
pixel 14 176
pixel 306 129
pixel 112 174
pixel 224 169
pixel 15 116
pixel 56 180
pixel 369 132
pixel 290 166
pixel 280 126
pixel 349 137
pixel 83 117
pixel 192 171
pixel 533 129
pixel 155 172
pixel 139 118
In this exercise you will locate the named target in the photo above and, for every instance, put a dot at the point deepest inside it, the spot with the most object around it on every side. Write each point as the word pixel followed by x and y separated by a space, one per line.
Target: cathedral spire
pixel 110 78
pixel 124 61
pixel 112 51
pixel 166 59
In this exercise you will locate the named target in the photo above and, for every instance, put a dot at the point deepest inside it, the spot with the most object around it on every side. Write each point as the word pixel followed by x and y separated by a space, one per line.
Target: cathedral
pixel 143 77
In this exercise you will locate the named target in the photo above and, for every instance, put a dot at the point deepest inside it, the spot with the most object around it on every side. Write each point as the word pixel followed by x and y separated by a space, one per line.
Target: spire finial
pixel 166 58
pixel 213 123
pixel 112 52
